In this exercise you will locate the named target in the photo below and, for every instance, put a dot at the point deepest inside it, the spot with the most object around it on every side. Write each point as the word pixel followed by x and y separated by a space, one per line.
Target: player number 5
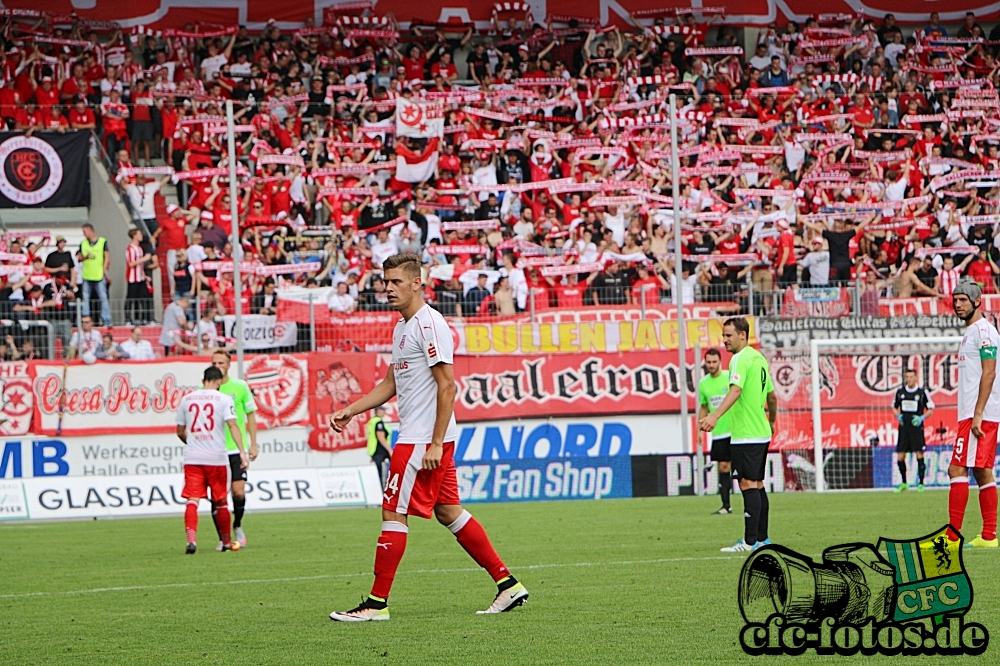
pixel 960 445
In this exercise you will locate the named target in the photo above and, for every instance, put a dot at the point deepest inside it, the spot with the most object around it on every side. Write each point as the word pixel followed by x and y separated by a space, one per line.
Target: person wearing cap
pixel 378 442
pixel 978 417
pixel 59 263
pixel 171 236
pixel 212 233
pixel 46 94
pixel 817 263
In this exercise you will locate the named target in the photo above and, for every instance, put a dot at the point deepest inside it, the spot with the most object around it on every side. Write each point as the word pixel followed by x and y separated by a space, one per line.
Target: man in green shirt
pixel 712 390
pixel 750 392
pixel 246 420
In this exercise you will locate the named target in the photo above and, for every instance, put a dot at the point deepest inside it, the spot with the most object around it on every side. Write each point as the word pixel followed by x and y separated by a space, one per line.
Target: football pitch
pixel 638 581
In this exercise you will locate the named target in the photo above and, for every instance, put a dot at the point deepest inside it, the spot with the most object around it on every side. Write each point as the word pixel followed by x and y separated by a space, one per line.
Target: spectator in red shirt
pixel 142 120
pixel 81 116
pixel 54 120
pixel 786 267
pixel 171 236
pixel 47 94
pixel 647 288
pixel 446 68
pixel 29 118
pixel 983 270
pixel 114 115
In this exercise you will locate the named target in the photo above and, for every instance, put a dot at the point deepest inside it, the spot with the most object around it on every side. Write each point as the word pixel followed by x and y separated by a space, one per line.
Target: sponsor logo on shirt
pixel 431 350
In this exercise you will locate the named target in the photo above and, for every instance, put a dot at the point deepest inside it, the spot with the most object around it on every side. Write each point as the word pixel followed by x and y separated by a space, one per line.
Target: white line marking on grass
pixel 253 581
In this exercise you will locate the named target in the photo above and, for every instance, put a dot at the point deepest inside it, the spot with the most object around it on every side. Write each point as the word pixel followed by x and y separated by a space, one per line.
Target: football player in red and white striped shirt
pixel 422 480
pixel 202 420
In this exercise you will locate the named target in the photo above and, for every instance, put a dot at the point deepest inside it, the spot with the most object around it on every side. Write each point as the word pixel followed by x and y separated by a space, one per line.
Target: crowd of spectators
pixel 841 152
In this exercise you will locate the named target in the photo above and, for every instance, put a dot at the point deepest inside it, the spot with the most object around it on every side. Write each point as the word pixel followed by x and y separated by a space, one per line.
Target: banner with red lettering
pixel 856 391
pixel 505 387
pixel 142 398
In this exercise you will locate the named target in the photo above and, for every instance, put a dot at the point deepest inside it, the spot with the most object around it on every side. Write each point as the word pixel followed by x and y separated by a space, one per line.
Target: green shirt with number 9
pixel 748 416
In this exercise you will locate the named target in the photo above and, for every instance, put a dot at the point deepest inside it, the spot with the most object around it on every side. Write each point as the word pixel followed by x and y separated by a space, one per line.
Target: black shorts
pixel 234 465
pixel 720 450
pixel 749 460
pixel 142 130
pixel 789 275
pixel 910 440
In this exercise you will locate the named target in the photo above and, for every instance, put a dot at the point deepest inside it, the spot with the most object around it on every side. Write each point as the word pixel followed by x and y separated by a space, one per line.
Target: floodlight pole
pixel 679 272
pixel 235 240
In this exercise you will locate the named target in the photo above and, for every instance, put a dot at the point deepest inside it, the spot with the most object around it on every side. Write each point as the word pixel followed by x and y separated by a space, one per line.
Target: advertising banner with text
pixel 153 494
pixel 112 454
pixel 533 480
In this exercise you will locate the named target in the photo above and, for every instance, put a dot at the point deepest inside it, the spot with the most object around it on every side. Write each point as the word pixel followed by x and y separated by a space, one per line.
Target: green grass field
pixel 636 581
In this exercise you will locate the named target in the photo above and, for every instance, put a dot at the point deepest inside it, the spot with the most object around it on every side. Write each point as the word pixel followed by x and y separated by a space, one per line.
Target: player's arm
pixel 234 430
pixel 709 422
pixel 252 433
pixel 772 411
pixel 702 404
pixel 182 434
pixel 383 392
pixel 444 376
pixel 988 359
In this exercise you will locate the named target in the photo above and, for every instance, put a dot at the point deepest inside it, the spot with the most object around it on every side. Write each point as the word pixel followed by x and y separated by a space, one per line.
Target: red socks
pixel 222 522
pixel 472 537
pixel 988 505
pixel 191 521
pixel 958 497
pixel 388 552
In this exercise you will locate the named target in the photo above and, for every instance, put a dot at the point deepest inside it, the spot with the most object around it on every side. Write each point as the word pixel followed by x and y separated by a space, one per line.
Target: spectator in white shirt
pixel 384 247
pixel 196 252
pixel 141 196
pixel 87 339
pixel 136 348
pixel 211 65
pixel 525 227
pixel 341 300
pixel 817 262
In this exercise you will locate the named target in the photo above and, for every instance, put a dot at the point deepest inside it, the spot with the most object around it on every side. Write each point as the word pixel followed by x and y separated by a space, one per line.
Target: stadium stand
pixel 840 157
